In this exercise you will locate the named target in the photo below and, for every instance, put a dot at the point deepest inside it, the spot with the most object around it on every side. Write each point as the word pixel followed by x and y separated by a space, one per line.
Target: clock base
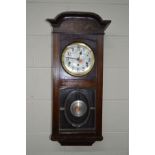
pixel 74 143
pixel 87 141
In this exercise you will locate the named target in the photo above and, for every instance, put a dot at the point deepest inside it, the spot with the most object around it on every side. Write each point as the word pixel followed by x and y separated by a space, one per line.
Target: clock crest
pixel 77 77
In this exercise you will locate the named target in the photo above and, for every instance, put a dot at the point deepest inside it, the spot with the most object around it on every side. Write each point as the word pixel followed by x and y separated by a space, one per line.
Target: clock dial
pixel 78 59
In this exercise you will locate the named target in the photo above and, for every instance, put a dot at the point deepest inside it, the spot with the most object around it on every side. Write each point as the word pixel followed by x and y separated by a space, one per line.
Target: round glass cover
pixel 78 59
pixel 78 108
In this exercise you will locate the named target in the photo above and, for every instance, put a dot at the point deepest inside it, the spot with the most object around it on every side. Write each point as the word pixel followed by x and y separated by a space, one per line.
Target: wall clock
pixel 77 77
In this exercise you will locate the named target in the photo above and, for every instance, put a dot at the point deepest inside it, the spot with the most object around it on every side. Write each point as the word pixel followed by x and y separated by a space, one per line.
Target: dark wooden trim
pixel 99 85
pixel 73 14
pixel 78 83
pixel 55 107
pixel 79 23
pixel 78 140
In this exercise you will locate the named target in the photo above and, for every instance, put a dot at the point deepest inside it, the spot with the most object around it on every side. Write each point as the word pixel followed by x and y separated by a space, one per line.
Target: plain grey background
pixel 116 68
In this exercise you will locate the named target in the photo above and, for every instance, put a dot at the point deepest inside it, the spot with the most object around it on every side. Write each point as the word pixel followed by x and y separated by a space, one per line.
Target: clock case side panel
pixel 55 80
pixel 99 88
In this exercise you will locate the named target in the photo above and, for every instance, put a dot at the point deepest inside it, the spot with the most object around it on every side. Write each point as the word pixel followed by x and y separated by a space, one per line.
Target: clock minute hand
pixel 72 58
pixel 79 56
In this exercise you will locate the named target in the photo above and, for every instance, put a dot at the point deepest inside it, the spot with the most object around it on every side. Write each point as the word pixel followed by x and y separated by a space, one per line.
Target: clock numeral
pixel 78 47
pixel 69 63
pixel 69 53
pixel 87 64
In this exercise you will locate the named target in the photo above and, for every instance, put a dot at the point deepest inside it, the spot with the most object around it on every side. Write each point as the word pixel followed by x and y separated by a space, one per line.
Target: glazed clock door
pixel 77 77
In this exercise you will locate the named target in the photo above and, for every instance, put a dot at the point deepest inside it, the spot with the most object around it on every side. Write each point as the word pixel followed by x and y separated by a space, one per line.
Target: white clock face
pixel 78 59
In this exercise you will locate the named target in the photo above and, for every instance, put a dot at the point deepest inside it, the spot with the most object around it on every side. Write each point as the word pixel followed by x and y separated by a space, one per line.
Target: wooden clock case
pixel 88 28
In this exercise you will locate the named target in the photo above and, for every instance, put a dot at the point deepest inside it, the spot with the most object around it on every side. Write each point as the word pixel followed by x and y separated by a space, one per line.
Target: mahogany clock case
pixel 68 128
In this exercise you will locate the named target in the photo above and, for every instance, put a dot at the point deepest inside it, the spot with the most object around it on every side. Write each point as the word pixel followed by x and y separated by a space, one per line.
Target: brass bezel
pixel 81 73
